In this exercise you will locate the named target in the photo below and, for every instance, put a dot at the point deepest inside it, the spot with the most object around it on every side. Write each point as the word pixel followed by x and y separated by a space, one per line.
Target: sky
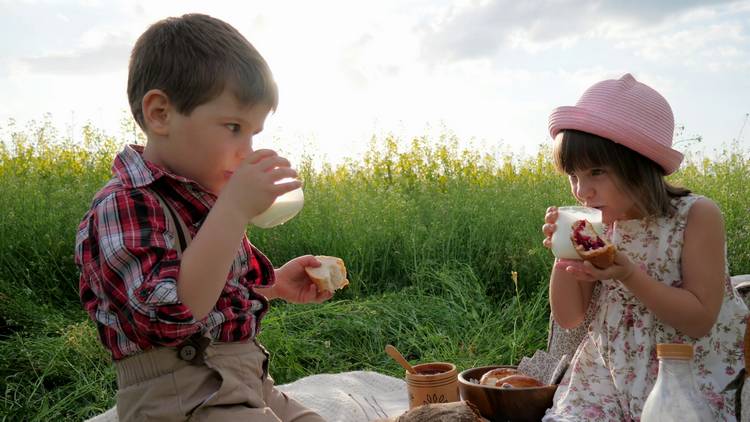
pixel 489 72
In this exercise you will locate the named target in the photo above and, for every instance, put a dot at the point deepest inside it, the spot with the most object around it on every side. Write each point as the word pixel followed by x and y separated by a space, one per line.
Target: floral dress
pixel 615 366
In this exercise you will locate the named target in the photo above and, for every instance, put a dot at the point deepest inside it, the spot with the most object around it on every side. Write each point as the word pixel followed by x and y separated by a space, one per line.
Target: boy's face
pixel 208 145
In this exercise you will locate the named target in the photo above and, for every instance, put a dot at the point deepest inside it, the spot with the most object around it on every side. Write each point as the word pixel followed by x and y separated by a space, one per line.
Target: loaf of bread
pixel 518 381
pixel 490 377
pixel 590 246
pixel 330 276
pixel 508 378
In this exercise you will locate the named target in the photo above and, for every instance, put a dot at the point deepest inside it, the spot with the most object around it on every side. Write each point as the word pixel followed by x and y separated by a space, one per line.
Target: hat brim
pixel 576 118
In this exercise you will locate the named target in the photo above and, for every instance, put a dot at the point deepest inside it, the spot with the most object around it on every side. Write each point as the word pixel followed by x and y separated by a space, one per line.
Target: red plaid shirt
pixel 129 264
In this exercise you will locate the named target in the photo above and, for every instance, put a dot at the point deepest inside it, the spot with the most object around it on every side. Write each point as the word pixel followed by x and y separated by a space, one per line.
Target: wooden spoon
pixel 398 357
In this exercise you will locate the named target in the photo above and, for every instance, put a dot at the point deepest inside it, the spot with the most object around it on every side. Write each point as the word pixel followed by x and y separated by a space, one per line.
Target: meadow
pixel 431 234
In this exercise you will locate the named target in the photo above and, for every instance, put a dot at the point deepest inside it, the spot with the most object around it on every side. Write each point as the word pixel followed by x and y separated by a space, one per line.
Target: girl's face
pixel 597 188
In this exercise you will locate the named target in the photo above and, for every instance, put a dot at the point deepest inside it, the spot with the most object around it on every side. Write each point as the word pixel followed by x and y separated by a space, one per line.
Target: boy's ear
pixel 156 111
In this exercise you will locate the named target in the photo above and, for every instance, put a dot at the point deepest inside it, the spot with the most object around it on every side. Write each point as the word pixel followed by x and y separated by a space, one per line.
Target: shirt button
pixel 188 352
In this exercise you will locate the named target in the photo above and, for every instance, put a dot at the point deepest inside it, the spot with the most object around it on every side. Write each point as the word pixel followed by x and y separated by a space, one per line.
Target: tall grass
pixel 431 234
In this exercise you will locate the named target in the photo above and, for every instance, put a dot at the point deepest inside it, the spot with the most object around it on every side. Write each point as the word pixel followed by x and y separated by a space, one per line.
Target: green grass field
pixel 430 234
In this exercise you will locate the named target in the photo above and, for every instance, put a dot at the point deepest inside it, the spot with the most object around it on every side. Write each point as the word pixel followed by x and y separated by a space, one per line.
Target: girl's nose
pixel 584 191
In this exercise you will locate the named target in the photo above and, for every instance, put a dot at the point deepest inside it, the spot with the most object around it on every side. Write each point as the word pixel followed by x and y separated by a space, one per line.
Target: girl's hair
pixel 636 175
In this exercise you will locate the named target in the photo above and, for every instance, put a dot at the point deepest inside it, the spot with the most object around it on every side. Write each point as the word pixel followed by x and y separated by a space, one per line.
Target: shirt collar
pixel 134 171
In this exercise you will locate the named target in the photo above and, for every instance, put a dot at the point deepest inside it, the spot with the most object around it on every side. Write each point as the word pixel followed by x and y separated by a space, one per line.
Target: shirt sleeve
pixel 140 268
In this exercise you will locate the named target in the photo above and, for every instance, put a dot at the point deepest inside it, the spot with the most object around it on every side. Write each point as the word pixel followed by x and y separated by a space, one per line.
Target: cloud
pixel 480 30
pixel 107 53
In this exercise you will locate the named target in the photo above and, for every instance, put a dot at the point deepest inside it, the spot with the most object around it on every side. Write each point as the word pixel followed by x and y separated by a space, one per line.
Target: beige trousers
pixel 231 385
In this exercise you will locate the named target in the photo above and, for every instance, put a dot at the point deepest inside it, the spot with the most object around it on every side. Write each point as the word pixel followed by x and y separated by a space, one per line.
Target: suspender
pixel 174 220
pixel 193 348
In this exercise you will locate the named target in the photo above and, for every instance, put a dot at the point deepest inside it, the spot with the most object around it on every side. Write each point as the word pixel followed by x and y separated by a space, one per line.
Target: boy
pixel 180 316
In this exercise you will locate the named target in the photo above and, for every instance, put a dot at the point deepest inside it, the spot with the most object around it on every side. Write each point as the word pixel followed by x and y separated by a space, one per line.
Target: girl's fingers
pixel 551 215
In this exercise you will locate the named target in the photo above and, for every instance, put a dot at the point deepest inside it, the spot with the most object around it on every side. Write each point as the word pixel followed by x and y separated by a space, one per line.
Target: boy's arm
pixel 206 262
pixel 208 258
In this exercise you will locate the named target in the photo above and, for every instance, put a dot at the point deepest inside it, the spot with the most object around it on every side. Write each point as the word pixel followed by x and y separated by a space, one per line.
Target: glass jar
pixel 675 396
pixel 283 209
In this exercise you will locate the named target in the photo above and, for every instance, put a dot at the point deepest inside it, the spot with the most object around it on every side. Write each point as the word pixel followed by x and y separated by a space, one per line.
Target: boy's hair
pixel 635 174
pixel 192 59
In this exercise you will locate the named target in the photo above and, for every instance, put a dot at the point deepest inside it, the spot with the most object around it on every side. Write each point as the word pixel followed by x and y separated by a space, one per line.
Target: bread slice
pixel 330 276
pixel 590 246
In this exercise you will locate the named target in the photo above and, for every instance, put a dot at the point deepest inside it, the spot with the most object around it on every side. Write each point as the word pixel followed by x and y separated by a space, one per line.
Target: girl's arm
pixel 694 307
pixel 568 298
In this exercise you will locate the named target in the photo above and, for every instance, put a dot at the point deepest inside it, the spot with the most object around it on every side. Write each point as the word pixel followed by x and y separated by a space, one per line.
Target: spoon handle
pixel 398 357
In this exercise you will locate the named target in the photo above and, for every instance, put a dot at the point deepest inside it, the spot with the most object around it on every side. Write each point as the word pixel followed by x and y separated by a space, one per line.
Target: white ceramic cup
pixel 283 209
pixel 562 246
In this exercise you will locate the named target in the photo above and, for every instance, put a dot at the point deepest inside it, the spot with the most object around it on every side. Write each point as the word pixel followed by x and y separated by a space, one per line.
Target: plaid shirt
pixel 129 264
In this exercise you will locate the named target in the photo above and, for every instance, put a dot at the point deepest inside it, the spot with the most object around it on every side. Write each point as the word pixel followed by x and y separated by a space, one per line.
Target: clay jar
pixel 435 382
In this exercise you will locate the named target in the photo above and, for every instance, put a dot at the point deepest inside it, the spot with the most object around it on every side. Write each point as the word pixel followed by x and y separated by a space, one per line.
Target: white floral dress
pixel 615 366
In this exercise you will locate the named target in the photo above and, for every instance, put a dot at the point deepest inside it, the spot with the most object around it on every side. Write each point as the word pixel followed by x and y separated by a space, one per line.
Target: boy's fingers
pixel 257 156
pixel 280 173
pixel 282 188
pixel 272 162
pixel 308 261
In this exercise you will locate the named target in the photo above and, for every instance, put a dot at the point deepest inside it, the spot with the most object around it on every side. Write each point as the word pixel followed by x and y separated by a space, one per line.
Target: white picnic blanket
pixel 357 396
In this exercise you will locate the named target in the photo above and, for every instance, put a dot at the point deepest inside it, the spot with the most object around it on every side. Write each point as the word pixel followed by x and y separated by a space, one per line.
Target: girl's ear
pixel 156 109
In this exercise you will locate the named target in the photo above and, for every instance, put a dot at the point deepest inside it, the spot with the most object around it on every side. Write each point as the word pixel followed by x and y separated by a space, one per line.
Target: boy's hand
pixel 294 286
pixel 252 188
pixel 549 227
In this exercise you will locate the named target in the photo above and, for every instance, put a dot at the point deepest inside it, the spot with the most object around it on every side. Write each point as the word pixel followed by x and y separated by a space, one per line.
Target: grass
pixel 431 234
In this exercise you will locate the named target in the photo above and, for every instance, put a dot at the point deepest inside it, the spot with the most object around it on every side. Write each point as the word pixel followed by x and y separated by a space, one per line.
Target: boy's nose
pixel 244 152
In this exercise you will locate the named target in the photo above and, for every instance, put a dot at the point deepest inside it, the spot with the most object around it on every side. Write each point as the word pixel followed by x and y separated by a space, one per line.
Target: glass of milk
pixel 562 246
pixel 283 209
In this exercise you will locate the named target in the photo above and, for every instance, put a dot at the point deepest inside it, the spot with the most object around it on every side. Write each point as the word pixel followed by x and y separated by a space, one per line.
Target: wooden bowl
pixel 505 404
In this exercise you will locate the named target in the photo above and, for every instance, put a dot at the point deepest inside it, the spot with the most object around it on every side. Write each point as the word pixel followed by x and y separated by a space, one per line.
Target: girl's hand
pixel 621 270
pixel 549 226
pixel 294 286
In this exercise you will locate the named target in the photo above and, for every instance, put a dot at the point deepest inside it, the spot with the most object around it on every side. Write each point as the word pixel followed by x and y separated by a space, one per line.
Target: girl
pixel 669 282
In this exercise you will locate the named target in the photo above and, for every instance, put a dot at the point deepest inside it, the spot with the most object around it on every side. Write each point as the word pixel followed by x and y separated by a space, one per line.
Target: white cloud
pixel 482 29
pixel 110 53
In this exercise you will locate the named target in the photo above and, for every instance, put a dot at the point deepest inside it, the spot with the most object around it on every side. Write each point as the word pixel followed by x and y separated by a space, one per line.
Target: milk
pixel 562 246
pixel 282 210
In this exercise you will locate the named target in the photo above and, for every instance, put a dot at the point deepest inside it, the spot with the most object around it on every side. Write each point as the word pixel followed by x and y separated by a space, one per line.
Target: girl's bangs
pixel 579 151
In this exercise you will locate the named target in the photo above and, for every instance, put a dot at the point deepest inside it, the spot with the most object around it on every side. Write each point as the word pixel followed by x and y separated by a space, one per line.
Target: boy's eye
pixel 234 127
pixel 597 172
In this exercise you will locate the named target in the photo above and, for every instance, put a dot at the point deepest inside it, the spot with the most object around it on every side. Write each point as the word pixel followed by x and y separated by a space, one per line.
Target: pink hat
pixel 627 112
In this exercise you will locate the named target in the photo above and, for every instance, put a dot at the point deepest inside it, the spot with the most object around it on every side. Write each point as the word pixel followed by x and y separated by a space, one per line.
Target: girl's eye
pixel 234 127
pixel 597 172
